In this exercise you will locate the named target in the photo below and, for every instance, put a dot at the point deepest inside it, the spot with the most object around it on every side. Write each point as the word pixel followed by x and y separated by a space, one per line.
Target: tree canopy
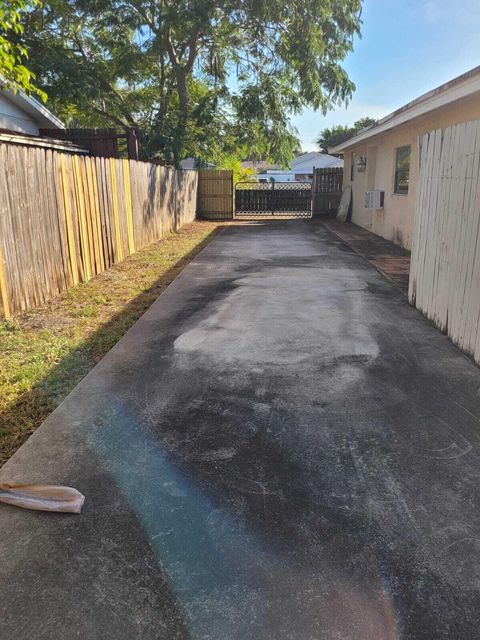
pixel 332 136
pixel 199 78
pixel 13 53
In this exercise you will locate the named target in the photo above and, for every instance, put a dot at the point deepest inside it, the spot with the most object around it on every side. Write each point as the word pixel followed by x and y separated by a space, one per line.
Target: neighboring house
pixel 386 156
pixel 188 163
pixel 301 169
pixel 191 163
pixel 20 113
pixel 276 175
pixel 25 121
pixel 258 166
pixel 305 163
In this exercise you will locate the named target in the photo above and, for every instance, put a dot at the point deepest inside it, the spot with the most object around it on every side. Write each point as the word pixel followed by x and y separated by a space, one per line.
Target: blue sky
pixel 407 48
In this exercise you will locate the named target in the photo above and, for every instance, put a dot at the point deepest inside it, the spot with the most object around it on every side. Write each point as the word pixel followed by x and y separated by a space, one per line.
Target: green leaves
pixel 199 78
pixel 13 53
pixel 332 136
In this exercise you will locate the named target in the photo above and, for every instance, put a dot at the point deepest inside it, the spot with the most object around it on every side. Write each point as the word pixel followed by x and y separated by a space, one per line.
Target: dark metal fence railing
pixel 275 198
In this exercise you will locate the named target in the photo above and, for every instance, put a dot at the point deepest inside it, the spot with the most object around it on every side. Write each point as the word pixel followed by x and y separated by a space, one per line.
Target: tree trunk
pixel 181 78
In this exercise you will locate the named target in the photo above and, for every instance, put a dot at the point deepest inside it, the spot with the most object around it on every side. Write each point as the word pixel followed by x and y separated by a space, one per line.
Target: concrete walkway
pixel 390 259
pixel 280 449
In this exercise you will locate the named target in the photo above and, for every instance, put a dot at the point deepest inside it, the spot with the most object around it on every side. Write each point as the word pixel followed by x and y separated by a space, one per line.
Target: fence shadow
pixel 21 418
pixel 68 217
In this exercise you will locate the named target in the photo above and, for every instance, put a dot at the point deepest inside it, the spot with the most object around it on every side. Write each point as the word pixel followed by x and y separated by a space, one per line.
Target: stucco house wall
pixel 23 114
pixel 396 220
pixel 15 119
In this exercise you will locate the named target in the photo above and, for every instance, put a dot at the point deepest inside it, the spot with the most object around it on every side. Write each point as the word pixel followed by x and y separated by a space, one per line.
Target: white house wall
pixel 396 220
pixel 15 119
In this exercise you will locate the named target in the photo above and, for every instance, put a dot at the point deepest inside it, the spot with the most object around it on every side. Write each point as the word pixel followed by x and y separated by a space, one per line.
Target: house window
pixel 353 158
pixel 402 169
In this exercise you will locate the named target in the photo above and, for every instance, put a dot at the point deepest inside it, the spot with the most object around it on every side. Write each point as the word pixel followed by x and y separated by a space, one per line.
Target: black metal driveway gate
pixel 274 199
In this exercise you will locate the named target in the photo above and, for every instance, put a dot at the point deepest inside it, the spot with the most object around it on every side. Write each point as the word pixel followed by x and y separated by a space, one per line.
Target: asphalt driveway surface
pixel 280 449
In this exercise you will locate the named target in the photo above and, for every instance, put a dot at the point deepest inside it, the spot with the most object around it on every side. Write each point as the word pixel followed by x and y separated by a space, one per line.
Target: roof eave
pixel 43 116
pixel 458 88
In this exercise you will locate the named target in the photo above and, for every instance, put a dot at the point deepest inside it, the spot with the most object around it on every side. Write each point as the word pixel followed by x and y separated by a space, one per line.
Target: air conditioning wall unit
pixel 374 199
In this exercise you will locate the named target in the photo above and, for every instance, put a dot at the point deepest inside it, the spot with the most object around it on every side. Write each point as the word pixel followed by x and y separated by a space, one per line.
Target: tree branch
pixel 109 116
pixel 192 51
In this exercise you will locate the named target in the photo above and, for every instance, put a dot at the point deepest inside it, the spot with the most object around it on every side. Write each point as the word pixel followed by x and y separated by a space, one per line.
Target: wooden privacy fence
pixel 445 262
pixel 64 218
pixel 327 189
pixel 215 194
pixel 99 142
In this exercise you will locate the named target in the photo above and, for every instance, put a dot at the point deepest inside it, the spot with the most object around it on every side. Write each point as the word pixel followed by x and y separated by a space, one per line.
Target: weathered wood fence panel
pixel 64 218
pixel 326 190
pixel 215 194
pixel 445 263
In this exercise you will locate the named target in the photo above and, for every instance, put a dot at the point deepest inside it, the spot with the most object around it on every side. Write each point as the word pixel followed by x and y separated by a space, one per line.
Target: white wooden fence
pixel 445 263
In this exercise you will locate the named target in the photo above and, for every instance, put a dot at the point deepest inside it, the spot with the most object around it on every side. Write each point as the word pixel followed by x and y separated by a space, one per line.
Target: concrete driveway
pixel 280 449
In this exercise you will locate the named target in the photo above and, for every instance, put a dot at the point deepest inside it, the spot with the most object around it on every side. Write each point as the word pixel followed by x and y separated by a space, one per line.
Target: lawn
pixel 44 353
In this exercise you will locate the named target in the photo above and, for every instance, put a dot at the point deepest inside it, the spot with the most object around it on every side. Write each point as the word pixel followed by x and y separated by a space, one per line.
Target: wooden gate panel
pixel 327 190
pixel 215 194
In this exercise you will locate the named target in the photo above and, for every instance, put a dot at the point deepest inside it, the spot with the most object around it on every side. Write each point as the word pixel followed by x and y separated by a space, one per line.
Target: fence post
pixel 3 289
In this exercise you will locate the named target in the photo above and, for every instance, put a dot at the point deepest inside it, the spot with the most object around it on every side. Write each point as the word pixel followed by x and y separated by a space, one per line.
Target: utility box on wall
pixel 374 199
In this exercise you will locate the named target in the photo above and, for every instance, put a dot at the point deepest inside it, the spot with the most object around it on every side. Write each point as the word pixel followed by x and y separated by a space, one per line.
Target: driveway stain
pixel 280 449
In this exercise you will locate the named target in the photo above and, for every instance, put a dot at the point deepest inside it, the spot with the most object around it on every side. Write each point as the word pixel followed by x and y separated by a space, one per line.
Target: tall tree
pixel 331 136
pixel 235 70
pixel 13 53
